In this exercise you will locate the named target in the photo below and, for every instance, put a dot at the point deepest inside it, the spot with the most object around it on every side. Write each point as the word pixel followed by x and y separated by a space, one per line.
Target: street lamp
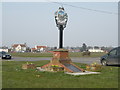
pixel 61 20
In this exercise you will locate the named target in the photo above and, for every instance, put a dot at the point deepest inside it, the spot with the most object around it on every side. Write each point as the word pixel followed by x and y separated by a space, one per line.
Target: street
pixel 86 60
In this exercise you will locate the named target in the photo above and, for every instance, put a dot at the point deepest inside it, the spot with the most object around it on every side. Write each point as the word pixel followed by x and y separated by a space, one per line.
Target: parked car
pixel 4 55
pixel 112 57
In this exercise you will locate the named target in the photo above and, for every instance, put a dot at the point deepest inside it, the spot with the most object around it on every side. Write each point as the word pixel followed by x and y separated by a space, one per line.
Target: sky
pixel 33 23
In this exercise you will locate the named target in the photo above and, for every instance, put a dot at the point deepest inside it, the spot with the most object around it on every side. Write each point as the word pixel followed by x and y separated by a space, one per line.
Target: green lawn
pixel 29 54
pixel 71 54
pixel 14 77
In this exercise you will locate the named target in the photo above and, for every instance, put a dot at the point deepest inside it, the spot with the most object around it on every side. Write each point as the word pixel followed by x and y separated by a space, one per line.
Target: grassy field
pixel 14 77
pixel 32 54
pixel 71 54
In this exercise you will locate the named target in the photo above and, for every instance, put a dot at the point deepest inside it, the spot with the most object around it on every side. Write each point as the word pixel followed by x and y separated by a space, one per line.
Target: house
pixel 95 50
pixel 19 48
pixel 39 49
pixel 4 48
pixel 33 50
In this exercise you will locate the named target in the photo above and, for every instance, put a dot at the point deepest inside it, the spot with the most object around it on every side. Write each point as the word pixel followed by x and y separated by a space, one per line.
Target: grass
pixel 29 54
pixel 71 54
pixel 93 54
pixel 14 77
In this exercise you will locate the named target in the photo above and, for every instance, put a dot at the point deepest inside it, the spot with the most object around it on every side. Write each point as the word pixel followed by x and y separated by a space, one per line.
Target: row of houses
pixel 96 50
pixel 23 48
pixel 36 48
pixel 90 50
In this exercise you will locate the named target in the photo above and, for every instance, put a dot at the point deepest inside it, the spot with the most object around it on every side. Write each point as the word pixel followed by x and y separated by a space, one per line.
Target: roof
pixel 41 46
pixel 22 45
pixel 33 48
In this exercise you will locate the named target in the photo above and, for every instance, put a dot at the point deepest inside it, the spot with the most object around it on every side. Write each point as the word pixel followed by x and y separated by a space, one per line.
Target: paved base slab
pixel 77 73
pixel 82 73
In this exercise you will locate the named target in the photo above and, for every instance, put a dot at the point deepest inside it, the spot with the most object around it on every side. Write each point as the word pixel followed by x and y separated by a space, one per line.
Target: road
pixel 86 60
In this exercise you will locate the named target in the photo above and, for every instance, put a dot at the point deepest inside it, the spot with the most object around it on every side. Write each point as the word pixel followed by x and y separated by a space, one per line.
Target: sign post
pixel 61 21
pixel 61 59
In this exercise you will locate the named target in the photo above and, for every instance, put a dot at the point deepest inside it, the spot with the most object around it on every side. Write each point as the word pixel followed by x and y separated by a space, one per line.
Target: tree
pixel 84 47
pixel 96 47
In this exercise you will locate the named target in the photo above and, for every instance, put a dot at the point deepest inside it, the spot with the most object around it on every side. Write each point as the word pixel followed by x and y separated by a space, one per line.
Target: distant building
pixel 95 50
pixel 39 49
pixel 5 49
pixel 33 50
pixel 74 50
pixel 19 48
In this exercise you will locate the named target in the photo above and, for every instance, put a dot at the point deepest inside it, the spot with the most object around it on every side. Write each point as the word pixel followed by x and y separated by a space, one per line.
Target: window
pixel 113 52
pixel 119 51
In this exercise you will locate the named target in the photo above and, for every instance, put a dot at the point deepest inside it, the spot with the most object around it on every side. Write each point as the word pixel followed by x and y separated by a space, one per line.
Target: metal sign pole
pixel 61 36
pixel 61 21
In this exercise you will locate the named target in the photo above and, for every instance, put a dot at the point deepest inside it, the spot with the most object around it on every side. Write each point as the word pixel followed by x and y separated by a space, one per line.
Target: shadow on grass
pixel 114 65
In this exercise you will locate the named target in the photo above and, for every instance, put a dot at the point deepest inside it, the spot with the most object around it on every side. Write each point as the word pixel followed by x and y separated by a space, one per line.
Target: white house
pixel 19 48
pixel 39 49
pixel 5 49
pixel 96 50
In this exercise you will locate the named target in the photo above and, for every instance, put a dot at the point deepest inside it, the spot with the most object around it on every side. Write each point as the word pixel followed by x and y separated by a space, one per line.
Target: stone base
pixel 60 58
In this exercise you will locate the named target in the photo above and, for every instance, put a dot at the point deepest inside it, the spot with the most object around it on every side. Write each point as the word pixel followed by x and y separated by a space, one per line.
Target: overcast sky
pixel 33 23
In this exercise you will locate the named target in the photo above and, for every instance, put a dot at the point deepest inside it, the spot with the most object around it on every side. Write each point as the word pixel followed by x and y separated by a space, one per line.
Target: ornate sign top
pixel 61 17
